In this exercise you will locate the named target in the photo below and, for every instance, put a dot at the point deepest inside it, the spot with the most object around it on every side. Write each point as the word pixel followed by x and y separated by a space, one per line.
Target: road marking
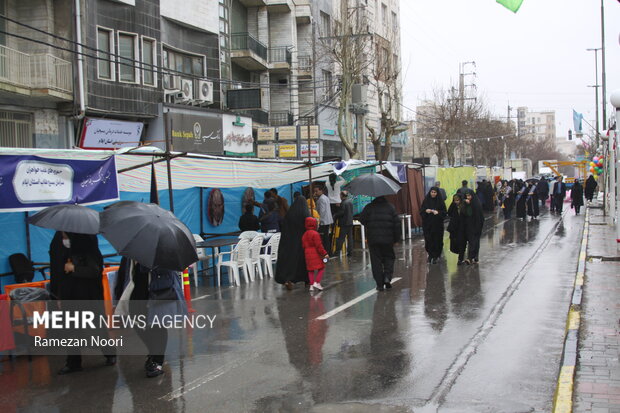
pixel 352 302
pixel 201 297
pixel 196 383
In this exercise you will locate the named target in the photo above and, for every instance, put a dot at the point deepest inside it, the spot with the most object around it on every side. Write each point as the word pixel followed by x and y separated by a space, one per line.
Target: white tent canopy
pixel 192 170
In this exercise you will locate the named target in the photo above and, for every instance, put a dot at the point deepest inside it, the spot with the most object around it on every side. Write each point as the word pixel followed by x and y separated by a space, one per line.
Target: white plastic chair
pixel 202 256
pixel 270 254
pixel 236 262
pixel 253 259
pixel 249 235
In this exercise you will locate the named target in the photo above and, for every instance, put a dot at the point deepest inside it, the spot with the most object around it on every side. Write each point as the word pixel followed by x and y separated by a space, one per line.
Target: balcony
pixel 247 52
pixel 280 58
pixel 280 118
pixel 304 65
pixel 41 75
pixel 303 14
pixel 252 3
pixel 258 116
pixel 278 6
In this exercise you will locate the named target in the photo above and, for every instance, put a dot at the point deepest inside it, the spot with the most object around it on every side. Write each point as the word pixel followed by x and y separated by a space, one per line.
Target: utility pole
pixel 603 65
pixel 596 86
pixel 462 99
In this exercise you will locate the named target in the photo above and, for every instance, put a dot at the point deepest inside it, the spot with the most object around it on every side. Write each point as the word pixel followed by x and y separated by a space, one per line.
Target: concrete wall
pixel 201 14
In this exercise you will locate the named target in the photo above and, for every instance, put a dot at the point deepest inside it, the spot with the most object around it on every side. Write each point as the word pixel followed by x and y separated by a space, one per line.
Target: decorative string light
pixel 460 140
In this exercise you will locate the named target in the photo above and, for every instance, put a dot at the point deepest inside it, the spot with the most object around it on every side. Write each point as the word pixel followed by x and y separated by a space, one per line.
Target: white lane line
pixel 201 297
pixel 202 380
pixel 353 302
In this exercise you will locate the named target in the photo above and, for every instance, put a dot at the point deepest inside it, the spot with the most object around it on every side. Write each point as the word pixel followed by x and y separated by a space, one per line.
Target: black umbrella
pixel 149 234
pixel 372 185
pixel 68 218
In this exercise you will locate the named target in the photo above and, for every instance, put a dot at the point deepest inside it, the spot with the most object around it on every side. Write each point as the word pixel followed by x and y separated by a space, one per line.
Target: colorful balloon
pixel 595 159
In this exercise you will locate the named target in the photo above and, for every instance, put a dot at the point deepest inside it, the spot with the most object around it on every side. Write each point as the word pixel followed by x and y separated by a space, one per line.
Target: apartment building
pixel 36 76
pixel 540 125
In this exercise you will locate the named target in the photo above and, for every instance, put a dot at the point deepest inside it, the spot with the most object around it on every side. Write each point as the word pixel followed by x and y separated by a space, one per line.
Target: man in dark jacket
pixel 542 190
pixel 383 229
pixel 558 194
pixel 345 221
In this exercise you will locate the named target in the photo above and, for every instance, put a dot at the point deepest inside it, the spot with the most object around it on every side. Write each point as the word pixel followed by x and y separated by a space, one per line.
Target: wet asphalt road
pixel 447 338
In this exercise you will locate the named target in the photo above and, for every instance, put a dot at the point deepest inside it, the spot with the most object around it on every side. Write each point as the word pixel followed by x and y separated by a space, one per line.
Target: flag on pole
pixel 577 117
pixel 512 5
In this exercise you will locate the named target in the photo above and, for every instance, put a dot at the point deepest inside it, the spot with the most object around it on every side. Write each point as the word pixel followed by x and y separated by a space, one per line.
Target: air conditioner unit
pixel 205 91
pixel 187 88
pixel 173 96
pixel 172 82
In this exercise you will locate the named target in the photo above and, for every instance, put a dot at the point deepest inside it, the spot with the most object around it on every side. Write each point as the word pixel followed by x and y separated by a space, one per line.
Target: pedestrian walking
pixel 433 211
pixel 531 202
pixel 324 209
pixel 590 188
pixel 576 195
pixel 456 228
pixel 314 253
pixel 75 261
pixel 151 293
pixel 521 199
pixel 442 192
pixel 508 199
pixel 383 230
pixel 542 189
pixel 345 221
pixel 461 191
pixel 559 193
pixel 291 264
pixel 473 221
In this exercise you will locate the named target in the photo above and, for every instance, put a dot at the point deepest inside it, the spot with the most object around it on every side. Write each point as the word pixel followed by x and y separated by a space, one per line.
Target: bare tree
pixel 348 46
pixel 384 77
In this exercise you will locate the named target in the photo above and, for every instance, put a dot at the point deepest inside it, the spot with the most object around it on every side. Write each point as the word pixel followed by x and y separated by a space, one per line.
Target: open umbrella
pixel 372 185
pixel 68 218
pixel 149 234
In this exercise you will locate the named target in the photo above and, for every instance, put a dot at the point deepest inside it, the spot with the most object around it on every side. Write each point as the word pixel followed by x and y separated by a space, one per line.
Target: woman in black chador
pixel 291 264
pixel 456 228
pixel 433 211
pixel 531 202
pixel 520 200
pixel 576 195
pixel 590 188
pixel 473 220
pixel 76 262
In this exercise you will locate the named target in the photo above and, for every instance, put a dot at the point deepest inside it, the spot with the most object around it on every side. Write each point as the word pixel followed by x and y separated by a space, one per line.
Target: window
pixel 184 62
pixel 16 130
pixel 384 15
pixel 326 27
pixel 3 22
pixel 328 84
pixel 394 22
pixel 127 67
pixel 149 59
pixel 105 44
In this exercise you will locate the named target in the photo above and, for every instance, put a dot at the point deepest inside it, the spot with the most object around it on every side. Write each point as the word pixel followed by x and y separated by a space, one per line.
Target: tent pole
pixel 201 219
pixel 28 251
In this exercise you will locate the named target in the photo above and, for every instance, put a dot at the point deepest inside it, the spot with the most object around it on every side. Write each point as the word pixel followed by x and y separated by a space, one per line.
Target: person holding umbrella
pixel 155 246
pixel 76 267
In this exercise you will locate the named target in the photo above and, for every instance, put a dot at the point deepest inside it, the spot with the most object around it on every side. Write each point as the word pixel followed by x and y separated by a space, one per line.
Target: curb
pixel 563 398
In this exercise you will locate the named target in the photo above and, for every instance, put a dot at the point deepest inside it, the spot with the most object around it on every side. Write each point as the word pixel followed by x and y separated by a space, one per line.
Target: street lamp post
pixel 596 86
pixel 614 186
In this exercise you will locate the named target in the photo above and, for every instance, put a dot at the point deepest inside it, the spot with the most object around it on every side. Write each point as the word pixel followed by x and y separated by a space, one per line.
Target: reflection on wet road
pixel 480 338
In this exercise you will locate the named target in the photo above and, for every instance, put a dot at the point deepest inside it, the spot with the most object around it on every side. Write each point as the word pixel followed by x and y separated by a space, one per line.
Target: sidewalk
pixel 597 374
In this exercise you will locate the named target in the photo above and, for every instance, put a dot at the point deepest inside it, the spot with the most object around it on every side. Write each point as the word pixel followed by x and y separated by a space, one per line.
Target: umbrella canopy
pixel 372 185
pixel 67 217
pixel 149 234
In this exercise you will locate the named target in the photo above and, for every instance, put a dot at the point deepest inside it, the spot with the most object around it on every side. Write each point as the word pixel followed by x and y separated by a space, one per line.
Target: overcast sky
pixel 536 57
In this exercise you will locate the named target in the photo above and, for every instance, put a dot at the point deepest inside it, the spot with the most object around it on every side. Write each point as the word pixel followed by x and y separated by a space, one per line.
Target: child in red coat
pixel 314 253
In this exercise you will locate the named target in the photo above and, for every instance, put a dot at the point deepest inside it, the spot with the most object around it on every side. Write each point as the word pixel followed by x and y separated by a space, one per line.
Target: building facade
pixel 539 125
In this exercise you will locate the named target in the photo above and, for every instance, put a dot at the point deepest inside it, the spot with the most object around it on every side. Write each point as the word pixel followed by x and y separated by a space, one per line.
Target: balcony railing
pixel 257 115
pixel 243 98
pixel 304 63
pixel 245 41
pixel 280 54
pixel 39 71
pixel 50 72
pixel 280 118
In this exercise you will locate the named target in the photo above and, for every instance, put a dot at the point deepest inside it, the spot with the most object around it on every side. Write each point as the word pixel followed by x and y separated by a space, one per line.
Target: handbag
pixel 161 286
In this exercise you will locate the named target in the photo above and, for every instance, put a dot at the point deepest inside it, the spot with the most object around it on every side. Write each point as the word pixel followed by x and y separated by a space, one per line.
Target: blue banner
pixel 31 182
